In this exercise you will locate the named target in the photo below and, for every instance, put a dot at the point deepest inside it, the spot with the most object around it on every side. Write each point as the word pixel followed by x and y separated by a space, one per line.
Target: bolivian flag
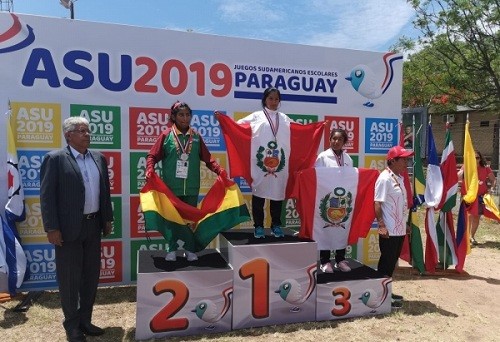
pixel 187 227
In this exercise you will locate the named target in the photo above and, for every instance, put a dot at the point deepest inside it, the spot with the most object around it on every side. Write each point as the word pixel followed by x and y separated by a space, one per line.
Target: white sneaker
pixel 191 256
pixel 344 266
pixel 326 268
pixel 171 256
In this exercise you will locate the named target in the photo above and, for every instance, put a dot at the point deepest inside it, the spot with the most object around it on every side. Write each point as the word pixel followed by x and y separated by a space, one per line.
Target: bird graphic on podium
pixel 372 300
pixel 364 80
pixel 290 290
pixel 207 310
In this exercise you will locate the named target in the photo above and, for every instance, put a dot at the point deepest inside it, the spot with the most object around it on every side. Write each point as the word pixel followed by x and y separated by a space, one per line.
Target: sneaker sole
pixel 343 270
pixel 325 270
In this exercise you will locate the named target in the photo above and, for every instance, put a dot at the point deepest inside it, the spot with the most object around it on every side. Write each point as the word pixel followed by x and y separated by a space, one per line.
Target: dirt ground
pixel 441 307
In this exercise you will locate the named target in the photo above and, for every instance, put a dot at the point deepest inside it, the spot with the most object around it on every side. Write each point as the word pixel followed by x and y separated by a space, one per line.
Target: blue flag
pixel 12 257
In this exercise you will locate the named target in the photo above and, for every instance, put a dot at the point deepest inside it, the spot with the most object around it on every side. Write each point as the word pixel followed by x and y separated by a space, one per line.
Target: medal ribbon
pixel 340 159
pixel 274 127
pixel 186 147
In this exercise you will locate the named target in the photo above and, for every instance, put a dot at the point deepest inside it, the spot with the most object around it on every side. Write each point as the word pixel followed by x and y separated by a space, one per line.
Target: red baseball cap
pixel 399 152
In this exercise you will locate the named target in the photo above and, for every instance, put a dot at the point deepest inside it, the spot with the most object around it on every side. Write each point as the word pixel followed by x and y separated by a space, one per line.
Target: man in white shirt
pixel 391 211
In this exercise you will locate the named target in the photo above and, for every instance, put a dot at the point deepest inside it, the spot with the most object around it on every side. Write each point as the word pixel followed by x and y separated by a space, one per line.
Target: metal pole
pixel 443 227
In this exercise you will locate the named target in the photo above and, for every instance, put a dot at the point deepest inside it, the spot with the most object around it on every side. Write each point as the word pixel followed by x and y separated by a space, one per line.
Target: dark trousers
pixel 390 249
pixel 258 211
pixel 78 265
pixel 324 256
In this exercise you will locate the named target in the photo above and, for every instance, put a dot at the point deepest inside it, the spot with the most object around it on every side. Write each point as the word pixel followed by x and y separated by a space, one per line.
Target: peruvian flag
pixel 266 162
pixel 335 204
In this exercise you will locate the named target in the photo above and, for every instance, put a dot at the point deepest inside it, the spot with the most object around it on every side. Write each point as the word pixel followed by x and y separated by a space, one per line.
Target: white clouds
pixel 355 24
pixel 360 24
pixel 250 10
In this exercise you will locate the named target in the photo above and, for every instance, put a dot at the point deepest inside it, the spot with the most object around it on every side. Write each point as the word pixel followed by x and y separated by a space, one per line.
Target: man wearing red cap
pixel 391 211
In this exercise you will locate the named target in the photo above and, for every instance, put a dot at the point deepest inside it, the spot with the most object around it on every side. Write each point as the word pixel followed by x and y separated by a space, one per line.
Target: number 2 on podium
pixel 163 320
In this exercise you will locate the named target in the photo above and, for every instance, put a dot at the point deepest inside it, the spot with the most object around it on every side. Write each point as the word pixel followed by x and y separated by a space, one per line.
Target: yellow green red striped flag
pixel 188 227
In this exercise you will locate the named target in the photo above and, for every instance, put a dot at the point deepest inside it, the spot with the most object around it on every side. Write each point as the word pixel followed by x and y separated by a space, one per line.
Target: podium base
pixel 178 298
pixel 361 292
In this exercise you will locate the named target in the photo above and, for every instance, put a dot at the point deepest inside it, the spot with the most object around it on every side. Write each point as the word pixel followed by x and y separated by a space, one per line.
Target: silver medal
pixel 184 156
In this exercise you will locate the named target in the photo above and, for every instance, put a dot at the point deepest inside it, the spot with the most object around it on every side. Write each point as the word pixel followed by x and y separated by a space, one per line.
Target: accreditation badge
pixel 181 170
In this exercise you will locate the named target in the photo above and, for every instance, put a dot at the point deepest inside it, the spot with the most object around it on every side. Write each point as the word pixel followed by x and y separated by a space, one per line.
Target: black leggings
pixel 324 256
pixel 258 211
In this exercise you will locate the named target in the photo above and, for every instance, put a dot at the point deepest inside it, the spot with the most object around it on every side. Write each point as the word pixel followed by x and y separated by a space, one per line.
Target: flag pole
pixel 444 216
pixel 410 218
pixel 430 124
pixel 410 213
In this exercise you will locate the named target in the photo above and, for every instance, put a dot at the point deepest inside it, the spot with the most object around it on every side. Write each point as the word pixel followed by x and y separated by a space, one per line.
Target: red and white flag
pixel 260 159
pixel 335 204
pixel 445 228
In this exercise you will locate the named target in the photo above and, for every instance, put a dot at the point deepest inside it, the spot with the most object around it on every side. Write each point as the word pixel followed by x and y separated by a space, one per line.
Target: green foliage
pixel 458 58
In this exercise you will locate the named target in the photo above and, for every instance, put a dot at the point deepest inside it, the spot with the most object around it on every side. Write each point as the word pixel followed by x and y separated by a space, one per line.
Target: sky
pixel 371 25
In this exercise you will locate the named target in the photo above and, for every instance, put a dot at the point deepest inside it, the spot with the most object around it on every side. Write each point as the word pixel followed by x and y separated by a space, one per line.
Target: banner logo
pixel 16 37
pixel 364 80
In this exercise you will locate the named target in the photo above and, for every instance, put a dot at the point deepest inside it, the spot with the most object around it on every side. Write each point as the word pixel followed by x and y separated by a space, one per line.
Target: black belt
pixel 90 216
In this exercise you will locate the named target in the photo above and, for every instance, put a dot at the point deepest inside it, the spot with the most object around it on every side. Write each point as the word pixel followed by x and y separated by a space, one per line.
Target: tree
pixel 459 58
pixel 428 81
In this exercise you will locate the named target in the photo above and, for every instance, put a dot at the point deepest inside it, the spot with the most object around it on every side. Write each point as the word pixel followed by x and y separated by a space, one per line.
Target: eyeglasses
pixel 82 131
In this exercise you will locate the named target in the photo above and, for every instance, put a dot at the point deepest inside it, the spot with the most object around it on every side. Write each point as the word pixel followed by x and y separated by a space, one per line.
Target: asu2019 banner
pixel 124 79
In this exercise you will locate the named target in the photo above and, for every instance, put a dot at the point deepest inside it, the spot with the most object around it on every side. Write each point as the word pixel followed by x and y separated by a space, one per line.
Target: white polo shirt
pixel 391 192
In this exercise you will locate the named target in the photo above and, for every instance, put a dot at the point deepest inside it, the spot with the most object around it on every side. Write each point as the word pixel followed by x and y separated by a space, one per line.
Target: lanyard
pixel 393 175
pixel 340 159
pixel 183 150
pixel 274 127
